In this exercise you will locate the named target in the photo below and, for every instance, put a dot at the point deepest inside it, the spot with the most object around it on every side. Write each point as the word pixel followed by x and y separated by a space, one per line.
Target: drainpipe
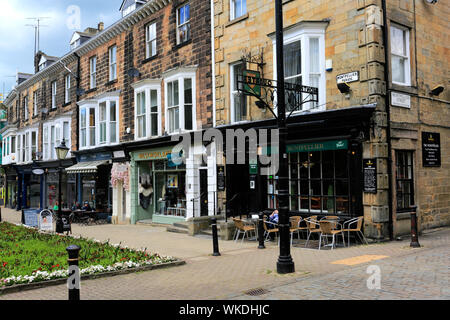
pixel 387 77
pixel 79 188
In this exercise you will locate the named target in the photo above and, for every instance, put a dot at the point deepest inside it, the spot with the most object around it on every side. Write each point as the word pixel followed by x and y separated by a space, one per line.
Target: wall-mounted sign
pixel 348 77
pixel 431 149
pixel 370 175
pixel 221 178
pixel 253 166
pixel 400 100
pixel 318 146
pixel 155 154
pixel 38 172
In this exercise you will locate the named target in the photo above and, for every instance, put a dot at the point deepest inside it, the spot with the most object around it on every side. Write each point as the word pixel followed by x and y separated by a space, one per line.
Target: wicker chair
pixel 327 231
pixel 295 227
pixel 241 227
pixel 357 229
pixel 268 231
pixel 312 226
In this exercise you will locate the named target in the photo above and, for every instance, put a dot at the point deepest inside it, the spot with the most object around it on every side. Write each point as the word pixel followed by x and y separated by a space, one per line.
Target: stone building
pixel 357 151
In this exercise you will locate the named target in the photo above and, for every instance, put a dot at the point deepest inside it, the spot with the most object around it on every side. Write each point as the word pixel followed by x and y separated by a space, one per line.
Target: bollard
pixel 414 235
pixel 215 239
pixel 73 283
pixel 0 214
pixel 261 231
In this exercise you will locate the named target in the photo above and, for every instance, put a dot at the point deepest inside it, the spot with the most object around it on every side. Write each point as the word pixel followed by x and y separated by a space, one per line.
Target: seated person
pixel 273 219
pixel 86 206
pixel 56 207
pixel 76 206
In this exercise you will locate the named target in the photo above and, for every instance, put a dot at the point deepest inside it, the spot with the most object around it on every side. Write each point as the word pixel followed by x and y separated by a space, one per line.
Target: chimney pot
pixel 101 26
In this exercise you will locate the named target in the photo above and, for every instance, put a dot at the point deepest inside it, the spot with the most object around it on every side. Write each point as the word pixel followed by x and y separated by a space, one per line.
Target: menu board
pixel 370 175
pixel 31 217
pixel 220 178
pixel 431 149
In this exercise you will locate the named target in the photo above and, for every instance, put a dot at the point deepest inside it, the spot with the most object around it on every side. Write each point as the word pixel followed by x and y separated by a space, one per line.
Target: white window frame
pixel 108 121
pixel 233 11
pixel 93 72
pixel 67 89
pixel 233 92
pixel 24 145
pixel 87 106
pixel 112 63
pixel 49 142
pixel 54 89
pixel 406 57
pixel 35 103
pixel 147 87
pixel 150 40
pixel 180 77
pixel 186 23
pixel 303 32
pixel 25 107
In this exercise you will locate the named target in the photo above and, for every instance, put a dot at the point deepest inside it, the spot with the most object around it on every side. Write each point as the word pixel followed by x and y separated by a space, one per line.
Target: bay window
pixel 180 103
pixel 304 62
pixel 53 133
pixel 147 109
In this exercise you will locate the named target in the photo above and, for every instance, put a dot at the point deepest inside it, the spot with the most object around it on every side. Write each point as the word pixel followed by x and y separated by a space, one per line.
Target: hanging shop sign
pixel 253 166
pixel 370 175
pixel 431 149
pixel 221 178
pixel 252 82
pixel 348 77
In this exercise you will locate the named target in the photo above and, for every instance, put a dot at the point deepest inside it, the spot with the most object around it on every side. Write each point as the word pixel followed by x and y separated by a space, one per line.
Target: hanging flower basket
pixel 120 174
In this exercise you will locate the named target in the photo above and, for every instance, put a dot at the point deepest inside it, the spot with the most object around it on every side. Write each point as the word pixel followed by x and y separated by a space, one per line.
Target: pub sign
pixel 431 149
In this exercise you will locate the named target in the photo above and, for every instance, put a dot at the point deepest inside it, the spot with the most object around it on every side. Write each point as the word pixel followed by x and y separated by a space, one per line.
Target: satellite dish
pixel 133 72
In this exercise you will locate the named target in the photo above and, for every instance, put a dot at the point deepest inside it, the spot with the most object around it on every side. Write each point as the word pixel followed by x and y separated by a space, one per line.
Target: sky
pixel 65 17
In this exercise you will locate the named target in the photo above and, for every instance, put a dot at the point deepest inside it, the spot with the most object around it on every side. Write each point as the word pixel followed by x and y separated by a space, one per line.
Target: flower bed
pixel 27 256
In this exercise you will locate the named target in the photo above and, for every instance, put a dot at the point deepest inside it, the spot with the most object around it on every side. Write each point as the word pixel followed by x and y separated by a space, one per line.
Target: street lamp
pixel 285 264
pixel 61 153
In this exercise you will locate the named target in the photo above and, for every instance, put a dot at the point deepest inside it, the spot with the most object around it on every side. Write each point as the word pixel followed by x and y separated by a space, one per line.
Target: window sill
pixel 111 82
pixel 67 104
pixel 403 216
pixel 403 88
pixel 180 45
pixel 91 90
pixel 241 18
pixel 149 59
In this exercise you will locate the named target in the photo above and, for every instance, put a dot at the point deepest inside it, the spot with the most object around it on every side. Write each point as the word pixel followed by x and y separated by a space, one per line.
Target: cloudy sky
pixel 17 39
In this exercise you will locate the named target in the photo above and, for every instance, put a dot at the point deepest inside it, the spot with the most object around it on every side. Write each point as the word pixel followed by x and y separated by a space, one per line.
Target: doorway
pixel 203 192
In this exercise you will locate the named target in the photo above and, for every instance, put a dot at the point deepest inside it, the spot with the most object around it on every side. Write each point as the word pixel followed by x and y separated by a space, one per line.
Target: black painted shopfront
pixel 325 166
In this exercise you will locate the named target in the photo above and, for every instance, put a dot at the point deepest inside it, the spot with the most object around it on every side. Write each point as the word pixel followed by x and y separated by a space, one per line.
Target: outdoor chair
pixel 312 226
pixel 358 221
pixel 243 228
pixel 327 231
pixel 295 227
pixel 332 219
pixel 268 231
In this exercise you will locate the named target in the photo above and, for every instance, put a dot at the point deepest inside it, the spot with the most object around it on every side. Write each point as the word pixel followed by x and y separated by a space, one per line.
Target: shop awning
pixel 86 167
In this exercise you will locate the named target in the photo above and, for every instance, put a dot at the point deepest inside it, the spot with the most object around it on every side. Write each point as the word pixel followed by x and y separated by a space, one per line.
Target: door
pixel 203 192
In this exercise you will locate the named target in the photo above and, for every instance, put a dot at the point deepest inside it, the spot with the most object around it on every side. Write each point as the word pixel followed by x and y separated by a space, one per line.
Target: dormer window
pixel 128 6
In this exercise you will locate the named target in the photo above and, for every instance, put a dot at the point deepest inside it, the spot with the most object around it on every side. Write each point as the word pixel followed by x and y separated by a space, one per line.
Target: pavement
pixel 243 272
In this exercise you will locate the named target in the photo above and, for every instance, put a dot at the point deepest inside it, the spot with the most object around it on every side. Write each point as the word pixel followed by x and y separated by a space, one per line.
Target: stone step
pixel 177 230
pixel 182 225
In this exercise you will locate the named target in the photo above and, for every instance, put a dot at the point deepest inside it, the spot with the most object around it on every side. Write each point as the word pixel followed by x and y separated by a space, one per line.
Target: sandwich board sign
pixel 45 220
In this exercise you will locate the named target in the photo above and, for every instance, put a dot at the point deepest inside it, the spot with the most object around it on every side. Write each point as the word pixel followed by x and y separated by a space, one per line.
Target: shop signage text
pixel 318 146
pixel 431 149
pixel 153 155
pixel 252 81
pixel 370 175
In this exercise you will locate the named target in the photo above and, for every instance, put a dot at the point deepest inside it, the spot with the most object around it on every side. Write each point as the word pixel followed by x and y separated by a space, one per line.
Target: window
pixel 53 133
pixel 319 183
pixel 13 144
pixel 102 121
pixel 140 115
pixel 401 73
pixel 83 135
pixel 34 145
pixel 183 24
pixel 93 72
pixel 180 103
pixel 404 180
pixel 45 144
pixel 53 94
pixel 112 63
pixel 67 89
pixel 27 146
pixel 238 101
pixel 92 141
pixel 304 62
pixel 237 8
pixel 112 121
pixel 25 108
pixel 148 109
pixel 35 103
pixel 150 40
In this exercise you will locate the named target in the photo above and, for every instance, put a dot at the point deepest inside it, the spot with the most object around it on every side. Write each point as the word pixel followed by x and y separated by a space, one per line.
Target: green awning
pixel 86 167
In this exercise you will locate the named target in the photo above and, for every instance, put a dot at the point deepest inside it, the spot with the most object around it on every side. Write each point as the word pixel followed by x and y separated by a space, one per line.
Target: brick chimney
pixel 101 26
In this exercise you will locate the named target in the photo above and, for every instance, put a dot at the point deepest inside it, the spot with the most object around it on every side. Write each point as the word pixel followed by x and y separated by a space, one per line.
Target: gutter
pixel 387 76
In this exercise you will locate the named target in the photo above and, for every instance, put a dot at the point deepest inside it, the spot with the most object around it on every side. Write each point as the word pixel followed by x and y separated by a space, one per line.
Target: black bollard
pixel 414 233
pixel 215 238
pixel 73 283
pixel 0 214
pixel 261 231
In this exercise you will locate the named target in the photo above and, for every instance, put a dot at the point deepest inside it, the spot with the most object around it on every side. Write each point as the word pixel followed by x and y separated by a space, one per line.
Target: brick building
pixel 386 62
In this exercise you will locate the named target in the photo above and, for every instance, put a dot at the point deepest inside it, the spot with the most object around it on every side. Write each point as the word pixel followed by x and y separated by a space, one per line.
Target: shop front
pixel 51 191
pixel 11 188
pixel 158 187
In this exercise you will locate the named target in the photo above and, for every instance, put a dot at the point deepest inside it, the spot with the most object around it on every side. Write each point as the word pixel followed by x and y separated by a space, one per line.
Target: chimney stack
pixel 101 26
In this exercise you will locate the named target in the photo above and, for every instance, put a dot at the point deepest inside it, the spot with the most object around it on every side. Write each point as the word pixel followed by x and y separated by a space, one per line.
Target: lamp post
pixel 61 153
pixel 285 264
